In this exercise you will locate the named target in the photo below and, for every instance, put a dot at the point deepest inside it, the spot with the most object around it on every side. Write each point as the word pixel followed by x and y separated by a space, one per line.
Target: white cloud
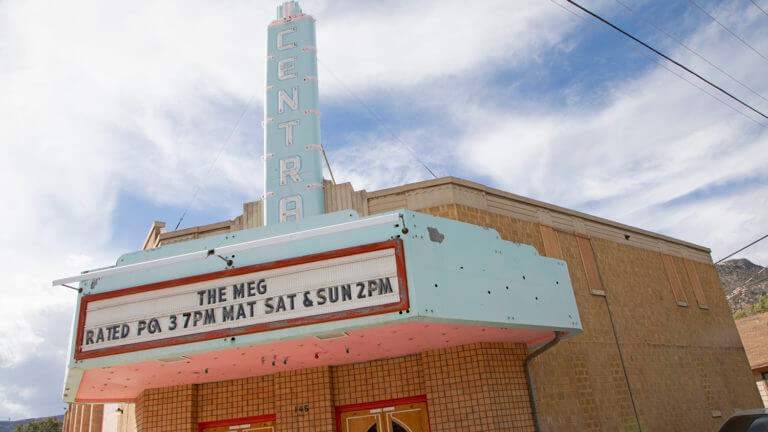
pixel 403 43
pixel 376 163
pixel 14 401
pixel 653 140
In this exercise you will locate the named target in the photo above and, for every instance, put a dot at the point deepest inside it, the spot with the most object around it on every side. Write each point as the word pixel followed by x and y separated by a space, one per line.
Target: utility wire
pixel 654 59
pixel 758 6
pixel 681 43
pixel 680 65
pixel 728 30
pixel 213 163
pixel 734 253
pixel 378 118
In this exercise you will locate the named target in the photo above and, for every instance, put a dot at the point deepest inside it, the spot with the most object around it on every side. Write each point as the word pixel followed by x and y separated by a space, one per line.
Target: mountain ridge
pixel 743 282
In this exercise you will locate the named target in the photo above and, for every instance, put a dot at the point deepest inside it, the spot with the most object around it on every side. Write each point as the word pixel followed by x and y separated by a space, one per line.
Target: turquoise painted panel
pixel 293 170
pixel 466 273
pixel 457 273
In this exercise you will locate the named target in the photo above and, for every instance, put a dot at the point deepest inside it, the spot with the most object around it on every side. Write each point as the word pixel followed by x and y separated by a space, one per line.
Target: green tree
pixel 761 306
pixel 51 424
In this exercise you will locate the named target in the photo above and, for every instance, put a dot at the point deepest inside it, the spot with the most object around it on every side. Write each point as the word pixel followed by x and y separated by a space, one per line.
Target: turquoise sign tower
pixel 293 170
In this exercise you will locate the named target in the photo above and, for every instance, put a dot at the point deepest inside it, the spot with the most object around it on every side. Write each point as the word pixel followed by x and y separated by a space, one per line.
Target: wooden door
pixel 408 417
pixel 262 426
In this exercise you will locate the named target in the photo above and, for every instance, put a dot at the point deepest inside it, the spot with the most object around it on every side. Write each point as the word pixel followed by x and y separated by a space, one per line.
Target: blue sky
pixel 112 113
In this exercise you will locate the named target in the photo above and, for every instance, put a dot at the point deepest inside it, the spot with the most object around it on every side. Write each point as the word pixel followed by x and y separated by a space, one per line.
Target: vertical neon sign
pixel 293 170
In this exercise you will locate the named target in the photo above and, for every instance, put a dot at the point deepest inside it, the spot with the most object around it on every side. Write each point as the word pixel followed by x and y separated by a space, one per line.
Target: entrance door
pixel 405 417
pixel 240 426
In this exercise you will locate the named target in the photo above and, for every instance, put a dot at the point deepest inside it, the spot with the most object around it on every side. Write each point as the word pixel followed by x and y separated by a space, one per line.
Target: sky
pixel 112 113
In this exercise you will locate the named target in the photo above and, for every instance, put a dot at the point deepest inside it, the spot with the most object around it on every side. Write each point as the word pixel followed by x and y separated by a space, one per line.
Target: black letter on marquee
pixel 307 302
pixel 346 292
pixel 154 326
pixel 385 286
pixel 360 290
pixel 100 336
pixel 89 337
pixel 124 330
pixel 228 313
pixel 291 296
pixel 333 293
pixel 250 285
pixel 196 318
pixel 373 286
pixel 280 304
pixel 201 294
pixel 261 287
pixel 210 317
pixel 251 304
pixel 141 326
pixel 268 308
pixel 172 325
pixel 321 296
pixel 240 311
pixel 222 294
pixel 238 291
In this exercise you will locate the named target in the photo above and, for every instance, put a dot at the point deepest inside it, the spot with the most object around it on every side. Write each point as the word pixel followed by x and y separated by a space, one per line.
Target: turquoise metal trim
pixel 457 273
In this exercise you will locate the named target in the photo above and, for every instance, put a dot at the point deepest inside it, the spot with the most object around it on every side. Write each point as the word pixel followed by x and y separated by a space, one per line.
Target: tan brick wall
pixel 478 387
pixel 168 409
pixel 247 397
pixel 304 388
pixel 682 363
pixel 394 378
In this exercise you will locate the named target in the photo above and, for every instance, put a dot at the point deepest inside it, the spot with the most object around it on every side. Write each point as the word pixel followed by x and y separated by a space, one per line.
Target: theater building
pixel 443 305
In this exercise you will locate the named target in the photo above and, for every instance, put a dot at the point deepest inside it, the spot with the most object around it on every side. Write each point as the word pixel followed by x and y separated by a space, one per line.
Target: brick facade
pixel 478 387
pixel 685 365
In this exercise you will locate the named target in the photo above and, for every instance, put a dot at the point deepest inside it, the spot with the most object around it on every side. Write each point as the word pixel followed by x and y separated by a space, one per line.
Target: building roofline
pixel 511 196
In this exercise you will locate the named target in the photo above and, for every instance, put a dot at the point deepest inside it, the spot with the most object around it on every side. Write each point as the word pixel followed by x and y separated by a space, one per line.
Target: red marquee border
pixel 403 304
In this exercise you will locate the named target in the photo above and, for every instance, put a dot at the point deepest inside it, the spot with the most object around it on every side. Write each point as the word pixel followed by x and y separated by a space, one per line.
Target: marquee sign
pixel 293 170
pixel 347 283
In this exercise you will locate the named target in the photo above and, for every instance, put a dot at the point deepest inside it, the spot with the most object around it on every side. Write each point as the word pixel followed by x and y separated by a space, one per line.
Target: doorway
pixel 250 424
pixel 404 415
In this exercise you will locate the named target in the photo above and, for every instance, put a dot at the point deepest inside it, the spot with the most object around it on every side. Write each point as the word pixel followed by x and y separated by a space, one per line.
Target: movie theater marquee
pixel 300 291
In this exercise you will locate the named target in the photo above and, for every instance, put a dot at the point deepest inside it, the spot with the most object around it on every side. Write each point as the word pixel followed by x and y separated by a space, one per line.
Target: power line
pixel 728 30
pixel 655 60
pixel 681 43
pixel 734 253
pixel 213 163
pixel 680 65
pixel 758 6
pixel 378 118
